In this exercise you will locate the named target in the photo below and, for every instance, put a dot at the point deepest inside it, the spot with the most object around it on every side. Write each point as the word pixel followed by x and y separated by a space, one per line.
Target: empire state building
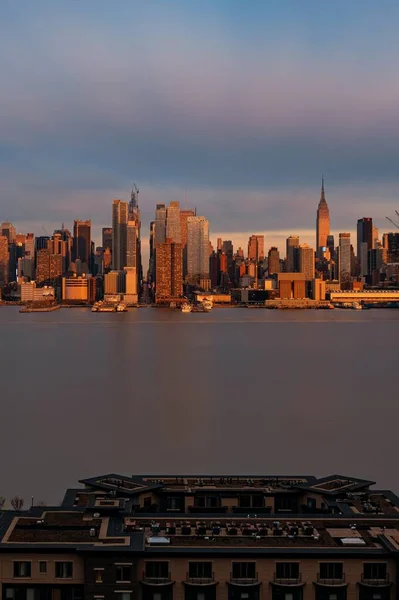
pixel 322 224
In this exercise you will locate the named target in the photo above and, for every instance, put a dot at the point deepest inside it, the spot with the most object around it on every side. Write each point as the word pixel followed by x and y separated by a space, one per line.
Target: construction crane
pixel 392 221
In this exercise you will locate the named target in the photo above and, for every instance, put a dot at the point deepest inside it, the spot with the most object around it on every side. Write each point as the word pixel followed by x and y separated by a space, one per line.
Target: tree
pixel 17 503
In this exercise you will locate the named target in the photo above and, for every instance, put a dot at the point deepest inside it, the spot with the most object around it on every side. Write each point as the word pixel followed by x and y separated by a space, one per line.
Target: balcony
pixel 330 581
pixel 157 579
pixel 244 580
pixel 376 582
pixel 288 580
pixel 200 580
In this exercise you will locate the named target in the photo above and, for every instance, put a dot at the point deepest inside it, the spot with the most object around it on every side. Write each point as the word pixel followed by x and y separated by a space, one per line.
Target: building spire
pixel 322 197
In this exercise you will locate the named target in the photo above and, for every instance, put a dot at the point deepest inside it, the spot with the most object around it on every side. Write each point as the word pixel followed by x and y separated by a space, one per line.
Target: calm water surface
pixel 233 391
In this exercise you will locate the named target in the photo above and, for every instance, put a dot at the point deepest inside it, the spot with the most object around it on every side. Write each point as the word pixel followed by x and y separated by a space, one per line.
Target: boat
pixel 207 305
pixel 121 307
pixel 186 308
pixel 357 306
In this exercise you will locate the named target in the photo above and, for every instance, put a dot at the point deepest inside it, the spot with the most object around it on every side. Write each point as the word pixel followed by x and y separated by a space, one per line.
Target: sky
pixel 234 107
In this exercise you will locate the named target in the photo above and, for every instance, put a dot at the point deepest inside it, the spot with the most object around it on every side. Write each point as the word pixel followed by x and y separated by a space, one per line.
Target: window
pixel 248 501
pixel 200 570
pixel 331 571
pixel 157 570
pixel 289 596
pixel 124 596
pixel 22 568
pixel 147 502
pixel 99 575
pixel 244 570
pixel 43 566
pixel 30 594
pixel 287 571
pixel 63 570
pixel 173 503
pixel 157 596
pixel 207 501
pixel 332 597
pixel 375 571
pixel 200 596
pixel 123 573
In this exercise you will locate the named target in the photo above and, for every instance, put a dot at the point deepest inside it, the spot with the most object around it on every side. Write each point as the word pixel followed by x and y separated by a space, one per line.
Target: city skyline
pixel 249 134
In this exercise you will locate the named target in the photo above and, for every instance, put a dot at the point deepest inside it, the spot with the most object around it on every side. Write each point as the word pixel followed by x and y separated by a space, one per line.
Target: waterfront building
pixel 197 248
pixel 48 267
pixel 318 289
pixel 292 262
pixel 322 224
pixel 169 271
pixel 344 260
pixel 31 293
pixel 78 289
pixel 306 261
pixel 120 212
pixel 273 261
pixel 4 260
pixel 114 283
pixel 186 537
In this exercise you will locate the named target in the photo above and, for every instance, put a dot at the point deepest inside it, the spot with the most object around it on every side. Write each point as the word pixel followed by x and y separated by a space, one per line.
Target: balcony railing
pixel 157 579
pixel 200 579
pixel 331 580
pixel 376 581
pixel 293 580
pixel 244 580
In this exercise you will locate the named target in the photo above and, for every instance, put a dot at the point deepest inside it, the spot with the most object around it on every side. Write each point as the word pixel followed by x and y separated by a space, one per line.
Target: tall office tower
pixel 227 248
pixel 30 245
pixel 8 230
pixel 322 224
pixel 306 261
pixel 292 264
pixel 26 267
pixel 160 225
pixel 169 271
pixel 391 244
pixel 344 260
pixel 364 236
pixel 331 246
pixel 59 246
pixel 82 241
pixel 66 236
pixel 197 247
pixel 273 260
pixel 256 247
pixel 131 244
pixel 107 238
pixel 240 252
pixel 48 267
pixel 4 256
pixel 213 269
pixel 363 258
pixel 41 242
pixel 184 215
pixel 120 213
pixel 219 244
pixel 134 218
pixel 173 224
pixel 364 233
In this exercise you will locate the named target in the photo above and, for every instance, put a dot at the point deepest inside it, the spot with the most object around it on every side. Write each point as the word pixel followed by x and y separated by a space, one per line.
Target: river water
pixel 234 391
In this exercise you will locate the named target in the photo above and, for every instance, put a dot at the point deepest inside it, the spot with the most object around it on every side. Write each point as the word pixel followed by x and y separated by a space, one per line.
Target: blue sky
pixel 238 106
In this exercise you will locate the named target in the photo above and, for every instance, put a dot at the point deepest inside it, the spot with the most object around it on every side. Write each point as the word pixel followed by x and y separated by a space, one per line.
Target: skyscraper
pixel 292 265
pixel 306 261
pixel 30 245
pixel 120 212
pixel 8 230
pixel 364 233
pixel 273 259
pixel 344 260
pixel 48 268
pixel 197 247
pixel 322 224
pixel 169 271
pixel 4 256
pixel 256 247
pixel 160 225
pixel 173 223
pixel 134 220
pixel 107 238
pixel 184 215
pixel 82 241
